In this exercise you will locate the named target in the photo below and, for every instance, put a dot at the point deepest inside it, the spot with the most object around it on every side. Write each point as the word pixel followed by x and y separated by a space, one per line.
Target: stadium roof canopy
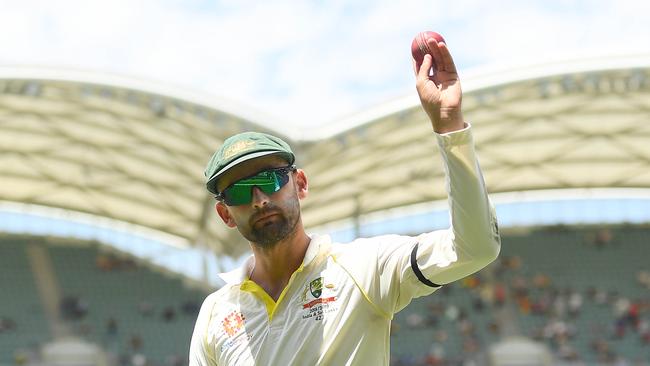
pixel 131 152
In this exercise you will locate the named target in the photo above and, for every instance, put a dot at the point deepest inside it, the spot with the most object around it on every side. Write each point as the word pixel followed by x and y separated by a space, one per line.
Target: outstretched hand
pixel 440 93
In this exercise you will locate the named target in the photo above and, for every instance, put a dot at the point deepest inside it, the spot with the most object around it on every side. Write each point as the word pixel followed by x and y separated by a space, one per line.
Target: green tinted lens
pixel 269 181
pixel 235 196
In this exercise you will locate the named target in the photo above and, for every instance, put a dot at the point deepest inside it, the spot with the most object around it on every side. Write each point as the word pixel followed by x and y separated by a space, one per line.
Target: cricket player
pixel 301 299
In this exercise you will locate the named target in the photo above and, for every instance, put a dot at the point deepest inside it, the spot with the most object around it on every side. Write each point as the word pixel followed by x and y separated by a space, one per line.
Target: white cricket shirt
pixel 338 305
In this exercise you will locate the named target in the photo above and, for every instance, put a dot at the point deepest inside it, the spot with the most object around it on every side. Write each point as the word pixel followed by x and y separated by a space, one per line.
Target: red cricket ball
pixel 419 46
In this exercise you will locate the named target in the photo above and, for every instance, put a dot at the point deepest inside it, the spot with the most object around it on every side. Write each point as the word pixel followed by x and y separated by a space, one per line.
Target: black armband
pixel 416 269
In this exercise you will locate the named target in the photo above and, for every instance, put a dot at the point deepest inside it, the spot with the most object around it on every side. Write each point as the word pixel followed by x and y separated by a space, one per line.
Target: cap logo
pixel 237 147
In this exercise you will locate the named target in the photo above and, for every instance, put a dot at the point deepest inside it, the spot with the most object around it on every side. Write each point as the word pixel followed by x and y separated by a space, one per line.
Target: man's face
pixel 267 219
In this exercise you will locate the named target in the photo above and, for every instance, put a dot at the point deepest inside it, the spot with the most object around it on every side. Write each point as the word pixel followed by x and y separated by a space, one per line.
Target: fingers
pixel 442 60
pixel 432 43
pixel 422 73
pixel 447 63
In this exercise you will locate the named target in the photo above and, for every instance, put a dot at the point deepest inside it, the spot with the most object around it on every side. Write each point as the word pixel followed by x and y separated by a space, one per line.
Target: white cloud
pixel 306 61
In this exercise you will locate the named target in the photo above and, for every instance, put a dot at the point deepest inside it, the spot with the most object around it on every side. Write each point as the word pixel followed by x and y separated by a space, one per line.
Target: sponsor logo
pixel 318 301
pixel 233 323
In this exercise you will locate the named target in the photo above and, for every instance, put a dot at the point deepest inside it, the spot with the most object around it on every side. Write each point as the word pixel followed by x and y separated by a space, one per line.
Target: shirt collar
pixel 241 274
pixel 316 246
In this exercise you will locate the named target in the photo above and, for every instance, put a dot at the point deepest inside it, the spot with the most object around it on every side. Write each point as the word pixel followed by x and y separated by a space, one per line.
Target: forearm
pixel 473 236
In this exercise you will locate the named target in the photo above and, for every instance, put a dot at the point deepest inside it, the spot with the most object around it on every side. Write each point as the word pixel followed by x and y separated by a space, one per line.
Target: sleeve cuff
pixel 455 138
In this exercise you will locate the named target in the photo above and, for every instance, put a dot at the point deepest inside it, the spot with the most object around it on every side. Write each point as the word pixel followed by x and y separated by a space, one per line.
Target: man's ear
pixel 301 184
pixel 223 212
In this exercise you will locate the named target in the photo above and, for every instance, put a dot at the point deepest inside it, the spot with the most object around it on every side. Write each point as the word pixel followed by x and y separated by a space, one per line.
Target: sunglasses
pixel 268 181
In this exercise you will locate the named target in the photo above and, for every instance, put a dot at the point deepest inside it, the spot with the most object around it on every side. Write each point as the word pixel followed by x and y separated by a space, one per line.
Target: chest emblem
pixel 322 300
pixel 316 287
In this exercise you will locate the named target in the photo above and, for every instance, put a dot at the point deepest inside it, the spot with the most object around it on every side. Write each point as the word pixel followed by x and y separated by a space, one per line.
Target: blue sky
pixel 308 63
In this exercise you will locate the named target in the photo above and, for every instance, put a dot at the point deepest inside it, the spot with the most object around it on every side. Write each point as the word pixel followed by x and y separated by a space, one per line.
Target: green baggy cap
pixel 240 148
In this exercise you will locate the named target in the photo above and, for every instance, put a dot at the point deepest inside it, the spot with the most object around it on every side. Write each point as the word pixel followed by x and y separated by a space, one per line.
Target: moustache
pixel 267 211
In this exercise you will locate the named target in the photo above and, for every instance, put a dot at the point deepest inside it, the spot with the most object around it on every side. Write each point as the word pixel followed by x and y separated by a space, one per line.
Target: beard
pixel 270 231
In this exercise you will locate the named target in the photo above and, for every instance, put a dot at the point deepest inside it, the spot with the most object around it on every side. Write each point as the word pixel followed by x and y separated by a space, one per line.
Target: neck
pixel 275 265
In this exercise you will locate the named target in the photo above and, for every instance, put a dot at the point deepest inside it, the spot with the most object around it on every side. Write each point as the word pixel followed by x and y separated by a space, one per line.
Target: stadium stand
pixel 577 290
pixel 580 291
pixel 123 306
pixel 21 313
